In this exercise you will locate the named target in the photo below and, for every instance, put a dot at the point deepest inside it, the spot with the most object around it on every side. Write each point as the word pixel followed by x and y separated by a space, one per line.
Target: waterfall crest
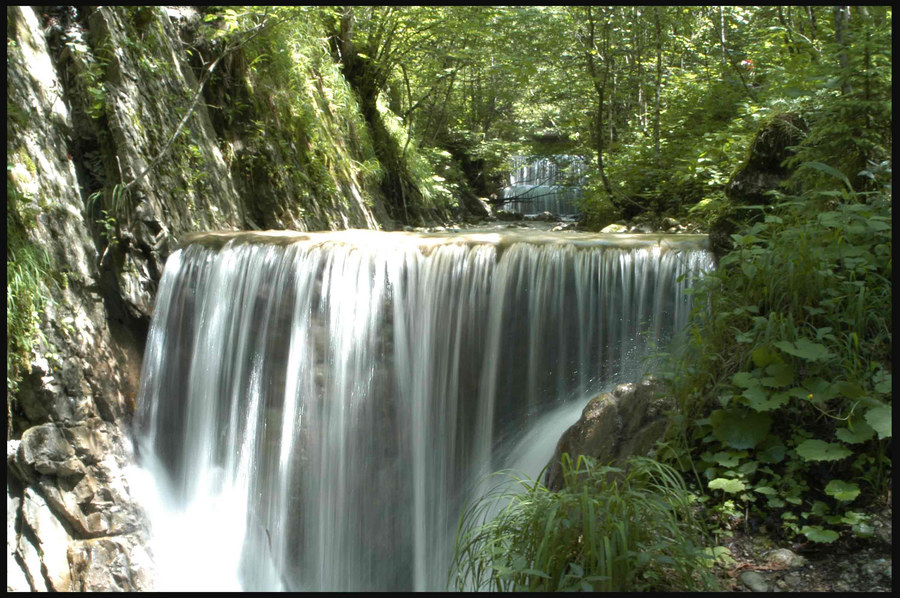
pixel 346 391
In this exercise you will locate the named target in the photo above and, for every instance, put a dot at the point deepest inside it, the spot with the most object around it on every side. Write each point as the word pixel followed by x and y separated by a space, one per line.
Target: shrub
pixel 784 380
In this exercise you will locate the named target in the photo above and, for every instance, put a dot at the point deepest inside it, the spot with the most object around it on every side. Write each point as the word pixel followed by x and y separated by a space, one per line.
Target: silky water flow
pixel 315 410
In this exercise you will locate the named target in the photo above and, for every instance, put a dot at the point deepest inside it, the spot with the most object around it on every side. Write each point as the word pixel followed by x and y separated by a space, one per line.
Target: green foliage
pixel 293 111
pixel 28 271
pixel 784 378
pixel 606 530
pixel 598 210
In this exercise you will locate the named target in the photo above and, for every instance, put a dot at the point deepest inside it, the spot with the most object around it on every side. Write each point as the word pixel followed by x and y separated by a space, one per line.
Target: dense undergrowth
pixel 784 381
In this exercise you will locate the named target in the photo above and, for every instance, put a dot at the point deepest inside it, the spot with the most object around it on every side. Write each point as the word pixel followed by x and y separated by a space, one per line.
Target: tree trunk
pixel 656 146
pixel 841 22
pixel 600 100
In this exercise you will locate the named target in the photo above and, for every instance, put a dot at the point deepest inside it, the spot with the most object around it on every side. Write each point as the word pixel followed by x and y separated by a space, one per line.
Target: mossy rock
pixel 763 171
pixel 764 168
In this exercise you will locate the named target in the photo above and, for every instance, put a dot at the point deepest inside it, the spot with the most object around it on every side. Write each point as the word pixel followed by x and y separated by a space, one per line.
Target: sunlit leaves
pixel 879 418
pixel 842 491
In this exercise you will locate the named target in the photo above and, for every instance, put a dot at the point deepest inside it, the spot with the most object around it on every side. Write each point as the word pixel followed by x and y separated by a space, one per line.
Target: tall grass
pixel 608 529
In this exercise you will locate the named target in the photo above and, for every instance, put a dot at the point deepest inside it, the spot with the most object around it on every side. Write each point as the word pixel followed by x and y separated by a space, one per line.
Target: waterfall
pixel 545 184
pixel 316 408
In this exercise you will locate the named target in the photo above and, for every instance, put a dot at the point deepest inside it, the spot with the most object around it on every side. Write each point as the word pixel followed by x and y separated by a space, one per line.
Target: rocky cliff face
pixel 94 98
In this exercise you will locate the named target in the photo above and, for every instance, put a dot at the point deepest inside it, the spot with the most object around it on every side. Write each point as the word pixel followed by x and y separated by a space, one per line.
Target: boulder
pixel 784 558
pixel 44 450
pixel 477 206
pixel 507 216
pixel 613 427
pixel 669 222
pixel 615 228
pixel 764 170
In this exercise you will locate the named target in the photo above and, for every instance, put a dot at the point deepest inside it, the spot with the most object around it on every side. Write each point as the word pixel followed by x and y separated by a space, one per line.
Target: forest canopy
pixel 662 100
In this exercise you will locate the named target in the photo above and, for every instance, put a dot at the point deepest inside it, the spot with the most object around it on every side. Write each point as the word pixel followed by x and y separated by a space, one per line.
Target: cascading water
pixel 316 408
pixel 545 184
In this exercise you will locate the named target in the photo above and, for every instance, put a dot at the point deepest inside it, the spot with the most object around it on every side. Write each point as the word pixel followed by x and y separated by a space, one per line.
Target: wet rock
pixel 542 217
pixel 507 216
pixel 614 228
pixel 754 581
pixel 613 427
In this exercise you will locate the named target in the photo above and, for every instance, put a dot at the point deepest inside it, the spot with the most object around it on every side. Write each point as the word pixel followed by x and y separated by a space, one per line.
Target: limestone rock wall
pixel 93 97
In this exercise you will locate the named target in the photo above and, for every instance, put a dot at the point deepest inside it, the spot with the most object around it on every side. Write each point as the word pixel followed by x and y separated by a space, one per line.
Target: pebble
pixel 754 581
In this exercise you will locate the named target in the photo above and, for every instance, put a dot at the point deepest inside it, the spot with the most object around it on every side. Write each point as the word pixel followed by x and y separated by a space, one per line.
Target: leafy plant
pixel 607 529
pixel 784 379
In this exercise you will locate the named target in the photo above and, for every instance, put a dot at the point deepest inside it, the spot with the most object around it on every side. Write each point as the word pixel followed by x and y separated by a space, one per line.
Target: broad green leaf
pixel 728 458
pixel 857 431
pixel 782 372
pixel 765 355
pixel 843 491
pixel 773 453
pixel 884 385
pixel 744 380
pixel 767 490
pixel 822 390
pixel 880 420
pixel 739 428
pixel 805 349
pixel 816 533
pixel 748 468
pixel 759 400
pixel 849 389
pixel 819 450
pixel 726 485
pixel 775 502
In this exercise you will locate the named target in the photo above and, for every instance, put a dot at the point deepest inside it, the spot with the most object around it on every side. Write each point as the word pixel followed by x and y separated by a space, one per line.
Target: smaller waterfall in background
pixel 545 184
pixel 315 409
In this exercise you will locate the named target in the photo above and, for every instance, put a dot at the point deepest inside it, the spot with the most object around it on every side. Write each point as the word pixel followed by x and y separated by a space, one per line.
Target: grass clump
pixel 608 529
pixel 28 270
